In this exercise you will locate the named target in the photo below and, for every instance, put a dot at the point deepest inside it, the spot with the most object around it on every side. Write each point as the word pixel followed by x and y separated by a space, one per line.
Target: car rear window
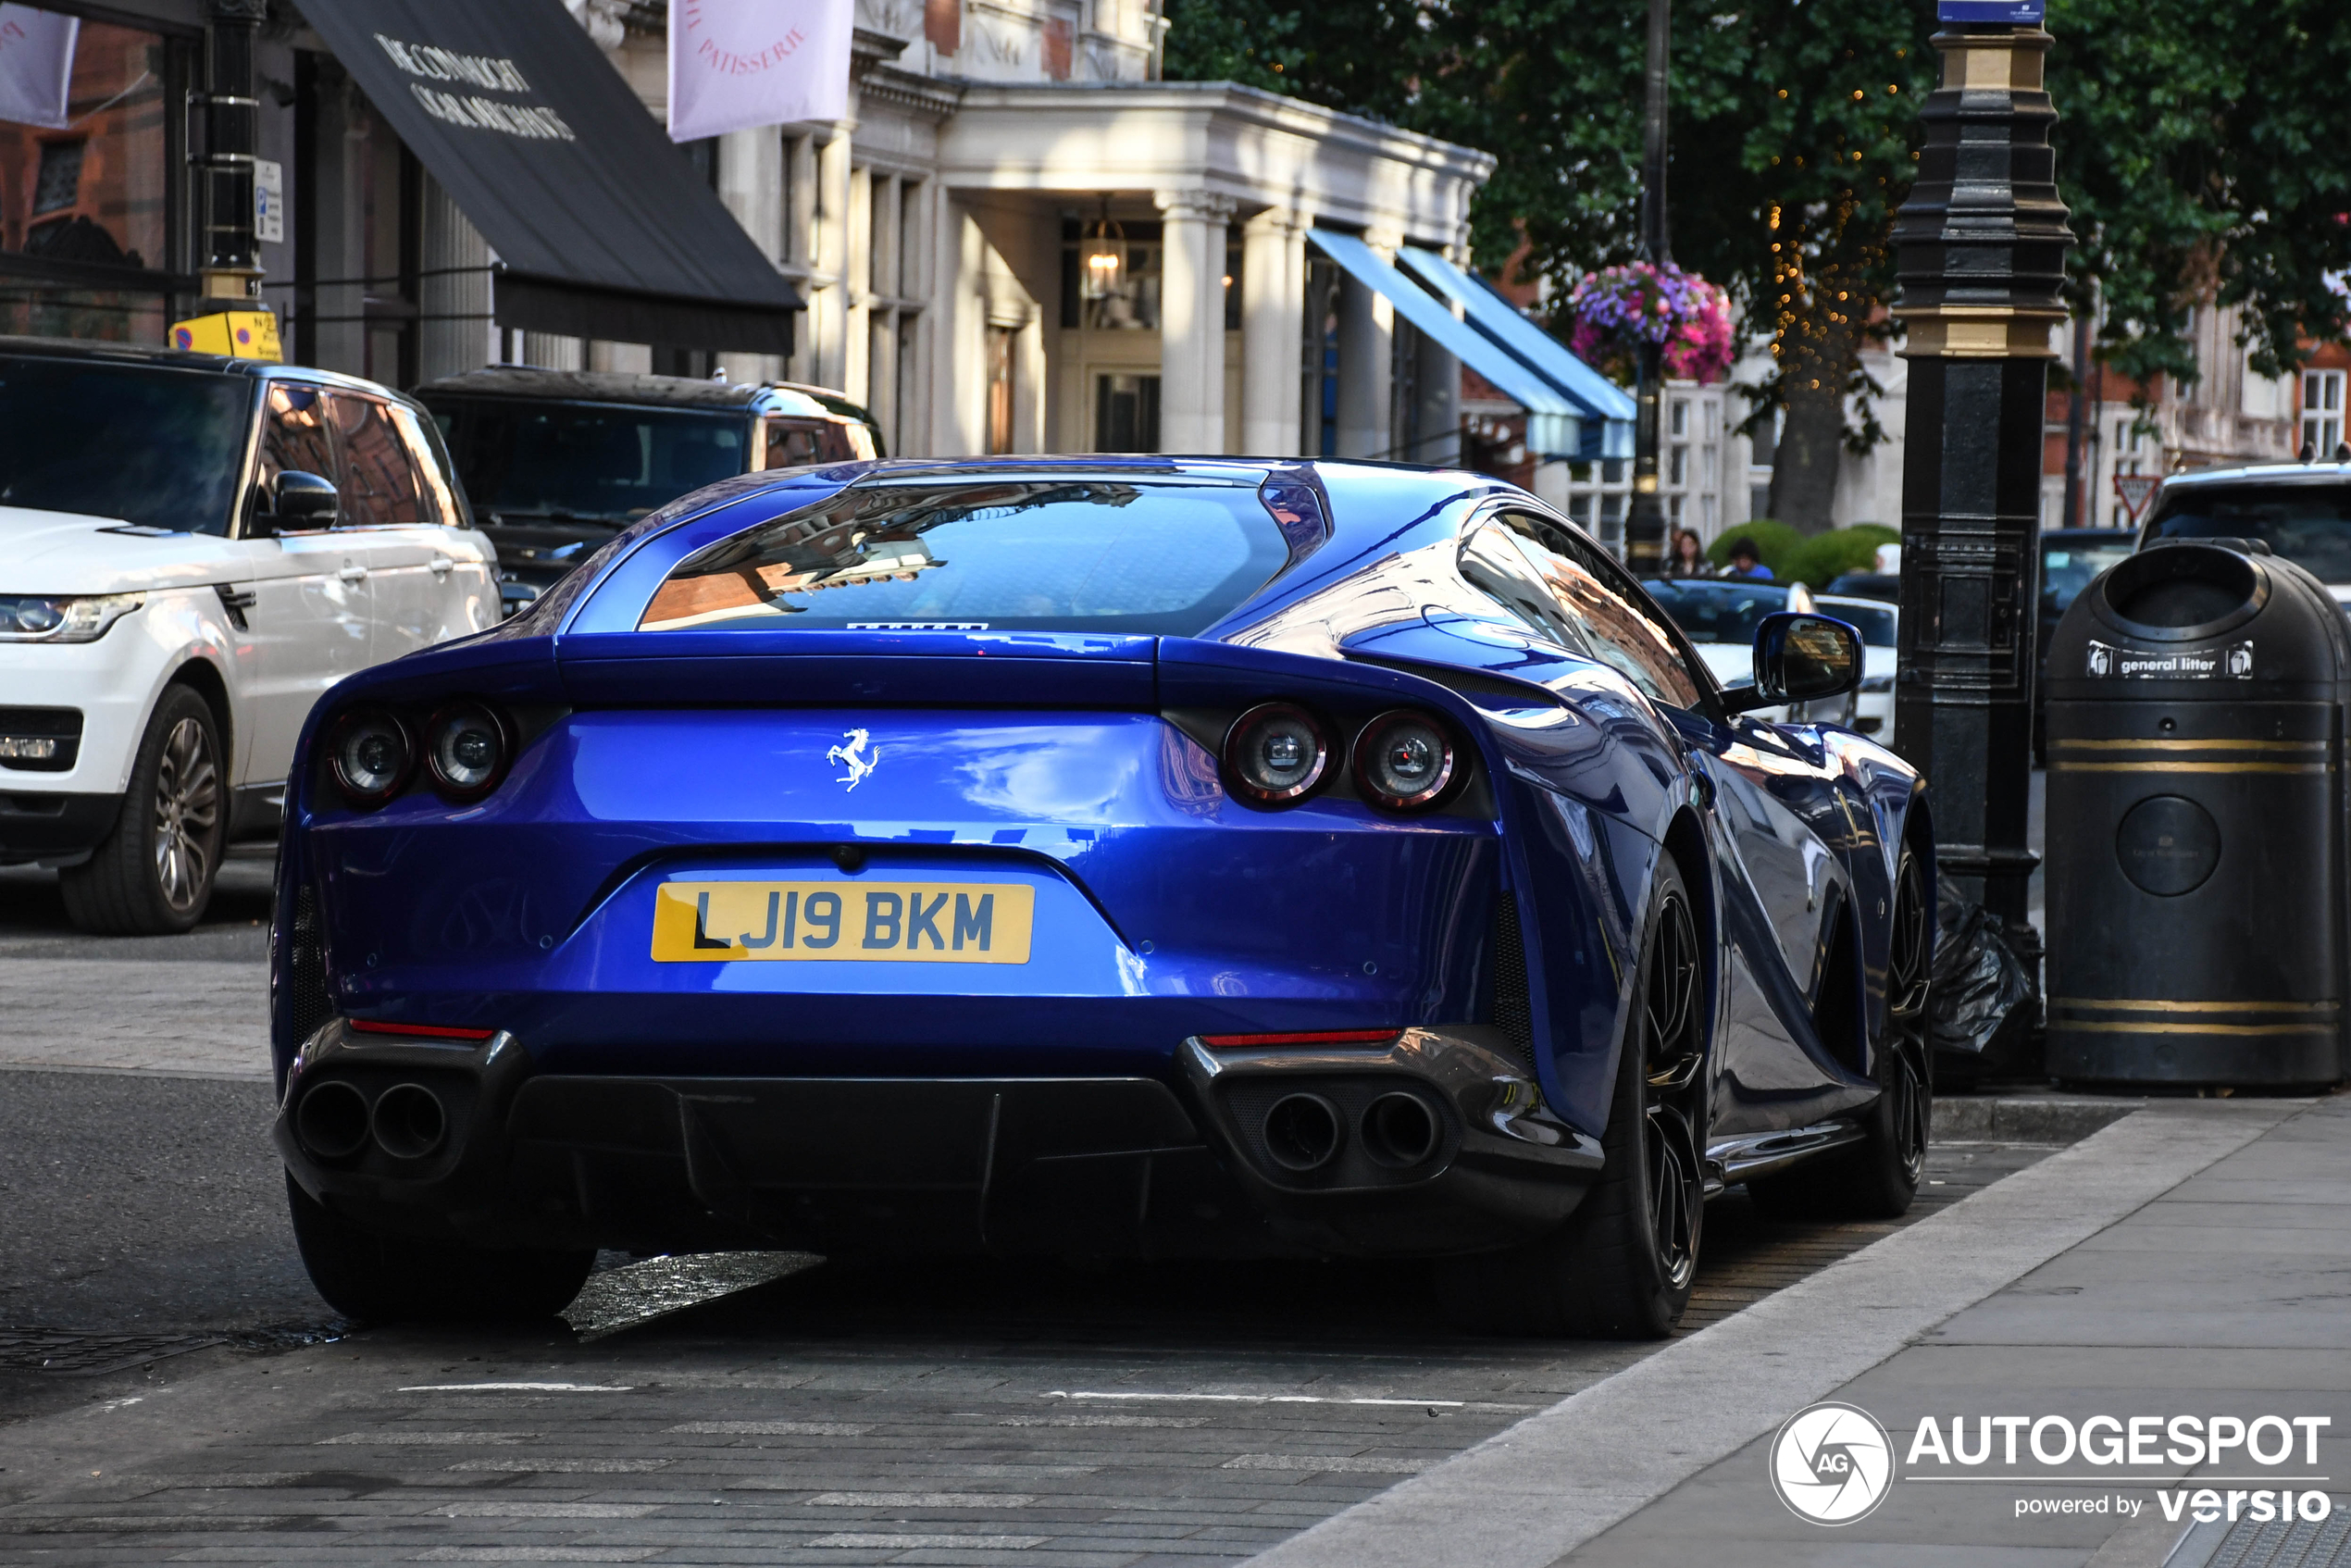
pixel 2308 524
pixel 524 460
pixel 1876 623
pixel 1045 554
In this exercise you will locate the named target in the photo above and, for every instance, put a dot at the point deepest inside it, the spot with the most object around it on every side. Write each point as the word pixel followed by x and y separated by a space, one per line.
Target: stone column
pixel 549 351
pixel 1191 321
pixel 1440 406
pixel 827 319
pixel 1367 357
pixel 751 182
pixel 453 295
pixel 1272 322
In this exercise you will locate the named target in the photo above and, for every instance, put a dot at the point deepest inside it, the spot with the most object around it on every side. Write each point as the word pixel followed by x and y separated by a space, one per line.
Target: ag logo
pixel 1832 1464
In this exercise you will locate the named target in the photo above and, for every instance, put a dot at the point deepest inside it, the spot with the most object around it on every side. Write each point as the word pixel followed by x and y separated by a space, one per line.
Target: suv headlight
pixel 49 618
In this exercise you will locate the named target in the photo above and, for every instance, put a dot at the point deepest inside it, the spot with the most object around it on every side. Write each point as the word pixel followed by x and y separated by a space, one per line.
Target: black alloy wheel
pixel 1908 1053
pixel 1673 1054
pixel 1622 1266
pixel 1878 1177
pixel 152 874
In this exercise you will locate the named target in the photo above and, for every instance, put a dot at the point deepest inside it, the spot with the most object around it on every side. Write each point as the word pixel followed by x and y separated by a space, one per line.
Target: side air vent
pixel 308 1004
pixel 1513 1011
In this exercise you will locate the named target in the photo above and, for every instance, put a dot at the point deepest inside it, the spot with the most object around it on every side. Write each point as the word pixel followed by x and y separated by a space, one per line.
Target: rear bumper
pixel 1091 1166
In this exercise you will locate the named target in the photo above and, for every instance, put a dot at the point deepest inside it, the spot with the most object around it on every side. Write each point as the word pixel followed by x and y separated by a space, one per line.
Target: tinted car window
pixel 1875 624
pixel 1619 630
pixel 1719 612
pixel 1493 564
pixel 1039 556
pixel 158 447
pixel 2066 572
pixel 295 436
pixel 434 502
pixel 792 441
pixel 591 461
pixel 379 484
pixel 2308 524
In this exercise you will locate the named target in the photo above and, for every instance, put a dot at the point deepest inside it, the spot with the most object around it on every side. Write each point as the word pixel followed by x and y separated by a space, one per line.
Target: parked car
pixel 2070 560
pixel 1206 857
pixel 1885 587
pixel 192 550
pixel 1880 625
pixel 2301 511
pixel 1721 617
pixel 558 461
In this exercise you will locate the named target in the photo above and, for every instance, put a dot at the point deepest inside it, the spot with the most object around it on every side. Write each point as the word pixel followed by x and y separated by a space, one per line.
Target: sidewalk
pixel 2192 1259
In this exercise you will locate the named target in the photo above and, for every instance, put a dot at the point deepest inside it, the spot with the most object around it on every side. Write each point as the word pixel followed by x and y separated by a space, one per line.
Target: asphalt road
pixel 889 1409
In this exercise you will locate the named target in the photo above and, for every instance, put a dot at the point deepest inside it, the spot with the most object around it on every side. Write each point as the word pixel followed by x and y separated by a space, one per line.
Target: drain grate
pixel 2278 1544
pixel 60 1350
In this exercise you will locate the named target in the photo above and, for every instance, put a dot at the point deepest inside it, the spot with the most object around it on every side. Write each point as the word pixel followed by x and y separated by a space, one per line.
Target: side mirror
pixel 305 501
pixel 1800 658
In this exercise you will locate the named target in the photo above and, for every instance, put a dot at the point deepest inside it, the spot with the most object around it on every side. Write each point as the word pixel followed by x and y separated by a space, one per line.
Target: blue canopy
pixel 1607 409
pixel 1554 422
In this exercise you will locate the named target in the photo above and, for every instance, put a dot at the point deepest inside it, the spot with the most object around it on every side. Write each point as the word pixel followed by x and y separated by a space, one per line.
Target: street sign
pixel 2135 489
pixel 2016 13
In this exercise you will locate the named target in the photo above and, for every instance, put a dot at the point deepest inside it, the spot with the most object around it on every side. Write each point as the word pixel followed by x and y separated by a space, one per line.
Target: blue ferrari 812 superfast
pixel 1103 856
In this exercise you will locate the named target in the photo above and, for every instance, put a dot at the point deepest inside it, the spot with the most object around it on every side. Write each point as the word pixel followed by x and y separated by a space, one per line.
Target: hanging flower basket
pixel 1619 309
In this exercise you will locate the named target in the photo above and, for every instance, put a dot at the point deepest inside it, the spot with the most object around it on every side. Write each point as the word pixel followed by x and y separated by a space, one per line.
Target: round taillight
pixel 1405 761
pixel 465 749
pixel 371 756
pixel 1276 753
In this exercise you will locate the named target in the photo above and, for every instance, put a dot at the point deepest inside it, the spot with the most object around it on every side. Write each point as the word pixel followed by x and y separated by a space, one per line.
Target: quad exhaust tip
pixel 334 1121
pixel 331 1121
pixel 1400 1131
pixel 1302 1132
pixel 409 1123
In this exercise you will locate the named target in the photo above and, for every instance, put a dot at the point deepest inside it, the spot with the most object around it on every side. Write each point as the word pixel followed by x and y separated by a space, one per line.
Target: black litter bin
pixel 2197 831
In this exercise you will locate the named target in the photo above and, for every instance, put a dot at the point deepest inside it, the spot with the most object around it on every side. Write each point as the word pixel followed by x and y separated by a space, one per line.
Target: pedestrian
pixel 1687 557
pixel 1746 561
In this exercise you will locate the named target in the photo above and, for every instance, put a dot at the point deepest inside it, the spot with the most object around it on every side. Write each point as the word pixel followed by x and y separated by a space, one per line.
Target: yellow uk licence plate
pixel 874 922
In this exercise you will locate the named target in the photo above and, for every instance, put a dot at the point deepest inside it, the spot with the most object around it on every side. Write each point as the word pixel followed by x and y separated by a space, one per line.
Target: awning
pixel 601 228
pixel 1553 423
pixel 1608 408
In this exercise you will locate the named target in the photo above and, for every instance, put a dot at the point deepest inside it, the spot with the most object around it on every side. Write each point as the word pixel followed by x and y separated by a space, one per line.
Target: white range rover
pixel 192 549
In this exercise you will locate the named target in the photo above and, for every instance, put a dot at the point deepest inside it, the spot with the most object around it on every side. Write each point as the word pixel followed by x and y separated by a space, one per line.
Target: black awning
pixel 601 226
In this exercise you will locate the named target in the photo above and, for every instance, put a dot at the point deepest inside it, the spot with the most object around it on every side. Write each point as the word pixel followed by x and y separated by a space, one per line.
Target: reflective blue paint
pixel 1048 759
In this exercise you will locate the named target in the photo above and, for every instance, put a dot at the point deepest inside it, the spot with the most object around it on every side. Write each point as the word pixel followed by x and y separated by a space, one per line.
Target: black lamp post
pixel 1645 521
pixel 1981 253
pixel 232 267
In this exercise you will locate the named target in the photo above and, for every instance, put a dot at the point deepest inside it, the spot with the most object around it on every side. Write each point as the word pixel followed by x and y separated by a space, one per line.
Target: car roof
pixel 183 360
pixel 2263 473
pixel 630 388
pixel 1885 604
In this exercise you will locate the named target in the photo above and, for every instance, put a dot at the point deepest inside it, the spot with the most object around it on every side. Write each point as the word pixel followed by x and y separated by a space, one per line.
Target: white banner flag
pixel 36 65
pixel 740 63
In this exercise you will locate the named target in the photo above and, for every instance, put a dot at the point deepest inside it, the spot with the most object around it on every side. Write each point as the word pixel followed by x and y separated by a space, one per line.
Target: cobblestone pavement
pixel 938 1412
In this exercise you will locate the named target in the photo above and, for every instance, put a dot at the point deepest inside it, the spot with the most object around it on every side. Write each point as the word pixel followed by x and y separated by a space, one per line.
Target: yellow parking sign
pixel 241 334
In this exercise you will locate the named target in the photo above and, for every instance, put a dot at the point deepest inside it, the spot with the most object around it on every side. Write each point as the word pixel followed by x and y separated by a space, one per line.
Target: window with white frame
pixel 2322 411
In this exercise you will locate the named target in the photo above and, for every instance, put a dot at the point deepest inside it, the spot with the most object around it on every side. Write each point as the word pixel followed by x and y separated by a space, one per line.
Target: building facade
pixel 1020 240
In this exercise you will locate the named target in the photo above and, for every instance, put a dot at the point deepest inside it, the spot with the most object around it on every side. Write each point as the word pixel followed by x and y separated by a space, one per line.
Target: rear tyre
pixel 1623 1267
pixel 1878 1177
pixel 372 1276
pixel 153 875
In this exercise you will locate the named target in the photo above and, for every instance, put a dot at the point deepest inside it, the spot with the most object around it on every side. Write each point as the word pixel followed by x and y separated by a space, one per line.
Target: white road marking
pixel 920 1499
pixel 519 1387
pixel 1293 1399
pixel 1335 1464
pixel 937 1543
